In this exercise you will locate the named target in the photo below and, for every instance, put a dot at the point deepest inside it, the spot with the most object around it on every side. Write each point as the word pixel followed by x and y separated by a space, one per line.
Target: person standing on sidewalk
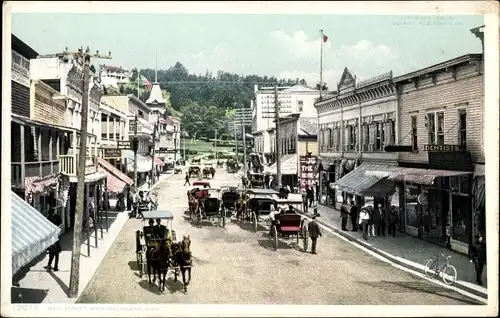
pixel 376 221
pixel 55 248
pixel 310 195
pixel 393 220
pixel 477 254
pixel 314 232
pixel 344 214
pixel 364 219
pixel 371 228
pixel 304 201
pixel 354 216
pixel 383 220
pixel 187 180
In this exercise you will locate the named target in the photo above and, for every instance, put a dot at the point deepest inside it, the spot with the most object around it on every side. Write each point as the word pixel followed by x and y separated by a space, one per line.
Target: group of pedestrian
pixel 307 198
pixel 373 221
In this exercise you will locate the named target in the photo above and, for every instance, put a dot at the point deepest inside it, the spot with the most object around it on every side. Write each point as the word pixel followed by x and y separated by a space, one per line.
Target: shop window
pixel 411 203
pixel 460 210
pixel 414 137
pixel 379 136
pixel 431 127
pixel 460 184
pixel 462 127
pixel 352 137
pixel 300 105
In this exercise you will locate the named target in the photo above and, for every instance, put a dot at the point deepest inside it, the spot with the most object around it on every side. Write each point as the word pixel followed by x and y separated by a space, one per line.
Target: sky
pixel 284 46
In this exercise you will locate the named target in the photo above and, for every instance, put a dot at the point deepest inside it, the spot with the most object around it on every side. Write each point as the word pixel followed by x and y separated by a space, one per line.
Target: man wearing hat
pixel 54 249
pixel 314 233
pixel 477 254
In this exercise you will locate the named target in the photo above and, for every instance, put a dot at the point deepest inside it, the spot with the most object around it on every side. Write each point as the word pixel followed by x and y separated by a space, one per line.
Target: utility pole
pixel 216 157
pixel 277 135
pixel 184 148
pixel 235 140
pixel 74 279
pixel 244 150
pixel 175 146
pixel 153 174
pixel 135 146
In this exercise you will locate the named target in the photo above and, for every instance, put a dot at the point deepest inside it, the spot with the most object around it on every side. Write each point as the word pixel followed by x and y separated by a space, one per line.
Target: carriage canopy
pixel 163 215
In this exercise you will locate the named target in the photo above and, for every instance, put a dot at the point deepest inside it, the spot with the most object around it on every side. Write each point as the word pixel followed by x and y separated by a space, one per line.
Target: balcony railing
pixel 69 163
pixel 32 169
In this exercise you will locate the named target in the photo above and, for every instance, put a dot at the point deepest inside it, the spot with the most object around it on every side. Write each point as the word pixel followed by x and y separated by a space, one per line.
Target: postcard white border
pixel 491 133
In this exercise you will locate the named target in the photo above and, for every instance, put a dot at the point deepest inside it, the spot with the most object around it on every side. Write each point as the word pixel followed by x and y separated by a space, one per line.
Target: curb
pixel 392 258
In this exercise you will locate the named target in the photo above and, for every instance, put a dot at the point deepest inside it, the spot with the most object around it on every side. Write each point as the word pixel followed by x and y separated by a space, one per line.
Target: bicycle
pixel 447 271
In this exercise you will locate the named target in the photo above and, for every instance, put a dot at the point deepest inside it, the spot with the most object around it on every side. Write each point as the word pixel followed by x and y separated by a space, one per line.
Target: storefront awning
pixel 288 165
pixel 359 182
pixel 89 178
pixel 108 166
pixel 423 176
pixel 159 162
pixel 113 184
pixel 478 171
pixel 32 233
pixel 326 162
pixel 143 162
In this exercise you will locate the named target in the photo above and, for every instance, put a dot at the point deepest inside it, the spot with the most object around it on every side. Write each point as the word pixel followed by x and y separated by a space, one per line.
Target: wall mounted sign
pixel 163 150
pixel 307 167
pixel 444 148
pixel 112 153
pixel 123 144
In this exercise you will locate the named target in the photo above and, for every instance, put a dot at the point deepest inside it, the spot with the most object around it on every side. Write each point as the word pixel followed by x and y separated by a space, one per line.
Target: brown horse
pixel 158 259
pixel 181 255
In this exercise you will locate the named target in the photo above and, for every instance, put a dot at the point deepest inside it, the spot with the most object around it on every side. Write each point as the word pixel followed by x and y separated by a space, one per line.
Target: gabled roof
pixel 346 77
pixel 117 102
pixel 22 48
pixel 308 126
pixel 155 97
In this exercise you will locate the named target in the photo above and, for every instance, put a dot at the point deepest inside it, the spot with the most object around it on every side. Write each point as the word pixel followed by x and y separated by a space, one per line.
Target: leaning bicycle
pixel 434 267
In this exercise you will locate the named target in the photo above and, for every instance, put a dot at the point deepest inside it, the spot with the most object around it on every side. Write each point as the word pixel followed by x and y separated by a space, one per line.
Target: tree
pixel 122 90
pixel 325 88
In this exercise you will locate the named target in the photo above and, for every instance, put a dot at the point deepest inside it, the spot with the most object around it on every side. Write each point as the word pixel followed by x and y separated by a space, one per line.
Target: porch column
pixel 39 142
pixel 107 126
pixel 50 151
pixel 114 128
pixel 23 153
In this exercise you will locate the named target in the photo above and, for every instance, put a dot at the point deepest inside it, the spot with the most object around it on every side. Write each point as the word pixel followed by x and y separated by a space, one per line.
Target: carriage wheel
pixel 139 263
pixel 305 238
pixel 274 235
pixel 254 216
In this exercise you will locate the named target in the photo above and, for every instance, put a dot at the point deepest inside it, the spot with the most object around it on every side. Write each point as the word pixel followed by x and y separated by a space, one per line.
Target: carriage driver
pixel 149 230
pixel 162 231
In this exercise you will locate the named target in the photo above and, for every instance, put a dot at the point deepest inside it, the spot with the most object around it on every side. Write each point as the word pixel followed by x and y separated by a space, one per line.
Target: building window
pixel 379 136
pixel 462 127
pixel 411 202
pixel 414 138
pixel 352 137
pixel 330 138
pixel 435 127
pixel 300 105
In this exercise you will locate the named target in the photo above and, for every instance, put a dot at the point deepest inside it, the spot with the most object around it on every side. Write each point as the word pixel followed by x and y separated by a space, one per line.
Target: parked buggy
pixel 208 206
pixel 257 180
pixel 194 171
pixel 287 223
pixel 259 205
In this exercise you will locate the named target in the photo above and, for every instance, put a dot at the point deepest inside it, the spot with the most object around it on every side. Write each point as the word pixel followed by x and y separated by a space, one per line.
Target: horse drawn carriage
pixel 204 204
pixel 229 197
pixel 194 171
pixel 157 251
pixel 257 180
pixel 208 171
pixel 264 206
pixel 232 166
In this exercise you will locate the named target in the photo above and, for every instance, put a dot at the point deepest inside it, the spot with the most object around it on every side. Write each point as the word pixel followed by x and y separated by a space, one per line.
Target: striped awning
pixel 108 166
pixel 40 185
pixel 31 233
pixel 423 176
pixel 361 182
pixel 159 162
pixel 113 183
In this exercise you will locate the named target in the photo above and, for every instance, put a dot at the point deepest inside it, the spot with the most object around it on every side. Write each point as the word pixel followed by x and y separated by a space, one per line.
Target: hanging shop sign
pixel 123 144
pixel 164 150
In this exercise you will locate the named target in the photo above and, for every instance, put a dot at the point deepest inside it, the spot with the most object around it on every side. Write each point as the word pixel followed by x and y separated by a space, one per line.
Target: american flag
pixel 146 83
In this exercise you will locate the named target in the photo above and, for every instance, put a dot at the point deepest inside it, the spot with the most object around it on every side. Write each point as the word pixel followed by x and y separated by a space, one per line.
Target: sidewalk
pixel 34 284
pixel 407 251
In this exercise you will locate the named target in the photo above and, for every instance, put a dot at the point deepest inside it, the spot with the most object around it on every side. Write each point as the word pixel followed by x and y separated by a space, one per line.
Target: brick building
pixel 441 116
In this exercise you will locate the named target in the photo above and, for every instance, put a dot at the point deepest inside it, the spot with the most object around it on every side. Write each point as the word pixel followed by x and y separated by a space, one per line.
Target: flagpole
pixel 321 67
pixel 138 82
pixel 156 68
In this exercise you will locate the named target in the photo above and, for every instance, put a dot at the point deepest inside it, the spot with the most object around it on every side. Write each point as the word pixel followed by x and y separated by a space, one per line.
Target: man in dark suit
pixel 477 254
pixel 54 249
pixel 354 216
pixel 161 230
pixel 344 214
pixel 314 233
